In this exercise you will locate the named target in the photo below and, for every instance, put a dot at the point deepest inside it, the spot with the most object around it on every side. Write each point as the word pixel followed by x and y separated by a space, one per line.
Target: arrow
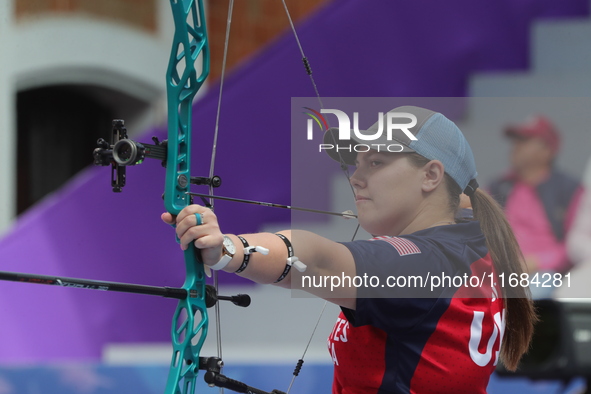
pixel 347 214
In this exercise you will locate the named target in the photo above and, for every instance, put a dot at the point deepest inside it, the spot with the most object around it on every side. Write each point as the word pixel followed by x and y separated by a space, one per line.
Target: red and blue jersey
pixel 399 341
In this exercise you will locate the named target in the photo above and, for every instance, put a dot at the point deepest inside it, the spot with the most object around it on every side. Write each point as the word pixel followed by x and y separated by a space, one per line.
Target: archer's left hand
pixel 206 236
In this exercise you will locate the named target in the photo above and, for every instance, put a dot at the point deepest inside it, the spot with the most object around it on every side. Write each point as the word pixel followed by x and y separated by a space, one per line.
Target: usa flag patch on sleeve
pixel 402 245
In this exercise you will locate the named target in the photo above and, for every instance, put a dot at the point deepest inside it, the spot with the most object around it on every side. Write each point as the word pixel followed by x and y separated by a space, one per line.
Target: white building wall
pixel 76 49
pixel 7 114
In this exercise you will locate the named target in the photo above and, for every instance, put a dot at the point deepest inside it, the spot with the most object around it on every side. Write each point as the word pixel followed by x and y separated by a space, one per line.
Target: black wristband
pixel 289 254
pixel 246 258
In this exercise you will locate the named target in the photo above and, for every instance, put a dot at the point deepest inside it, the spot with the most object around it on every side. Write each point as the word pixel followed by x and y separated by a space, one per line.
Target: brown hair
pixel 507 257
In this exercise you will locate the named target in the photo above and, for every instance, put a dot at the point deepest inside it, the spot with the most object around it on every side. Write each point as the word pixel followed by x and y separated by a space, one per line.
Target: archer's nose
pixel 357 180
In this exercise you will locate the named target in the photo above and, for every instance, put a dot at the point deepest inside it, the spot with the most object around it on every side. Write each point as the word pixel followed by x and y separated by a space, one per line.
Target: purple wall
pixel 356 48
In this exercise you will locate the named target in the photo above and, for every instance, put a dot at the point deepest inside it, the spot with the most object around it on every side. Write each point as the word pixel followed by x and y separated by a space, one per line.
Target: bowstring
pixel 344 168
pixel 212 169
pixel 304 58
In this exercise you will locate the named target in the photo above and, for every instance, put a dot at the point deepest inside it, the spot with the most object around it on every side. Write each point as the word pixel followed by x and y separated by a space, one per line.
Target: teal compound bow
pixel 190 320
pixel 189 44
pixel 188 334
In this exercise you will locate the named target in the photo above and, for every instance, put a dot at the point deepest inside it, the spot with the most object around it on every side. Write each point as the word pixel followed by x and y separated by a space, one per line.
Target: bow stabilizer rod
pixel 211 296
pixel 214 378
pixel 168 292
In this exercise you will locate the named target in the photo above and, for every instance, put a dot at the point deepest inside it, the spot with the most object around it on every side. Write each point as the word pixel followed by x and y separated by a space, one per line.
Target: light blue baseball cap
pixel 435 138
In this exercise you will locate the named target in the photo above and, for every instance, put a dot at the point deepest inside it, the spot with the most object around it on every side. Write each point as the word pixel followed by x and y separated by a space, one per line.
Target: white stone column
pixel 7 119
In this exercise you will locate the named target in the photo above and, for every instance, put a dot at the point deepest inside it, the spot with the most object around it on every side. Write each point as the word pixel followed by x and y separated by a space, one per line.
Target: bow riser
pixel 190 320
pixel 182 83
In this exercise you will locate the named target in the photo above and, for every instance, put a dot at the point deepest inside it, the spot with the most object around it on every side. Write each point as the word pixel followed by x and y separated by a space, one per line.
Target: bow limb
pixel 190 320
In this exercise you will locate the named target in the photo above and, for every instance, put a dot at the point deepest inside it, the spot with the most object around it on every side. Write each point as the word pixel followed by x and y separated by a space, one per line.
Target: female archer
pixel 436 314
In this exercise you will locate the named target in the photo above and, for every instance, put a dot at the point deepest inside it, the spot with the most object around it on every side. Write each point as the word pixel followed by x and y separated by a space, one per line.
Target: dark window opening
pixel 58 127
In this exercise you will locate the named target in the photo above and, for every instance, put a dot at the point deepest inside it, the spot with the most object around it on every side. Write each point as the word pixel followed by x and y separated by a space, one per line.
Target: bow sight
pixel 122 152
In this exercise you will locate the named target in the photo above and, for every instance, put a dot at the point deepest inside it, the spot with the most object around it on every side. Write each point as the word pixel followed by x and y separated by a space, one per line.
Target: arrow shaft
pixel 268 204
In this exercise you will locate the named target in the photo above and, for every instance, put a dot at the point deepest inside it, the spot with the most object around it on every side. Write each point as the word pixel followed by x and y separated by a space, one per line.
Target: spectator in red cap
pixel 540 201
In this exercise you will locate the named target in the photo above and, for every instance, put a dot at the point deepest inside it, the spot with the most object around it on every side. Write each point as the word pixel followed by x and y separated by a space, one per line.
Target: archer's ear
pixel 433 175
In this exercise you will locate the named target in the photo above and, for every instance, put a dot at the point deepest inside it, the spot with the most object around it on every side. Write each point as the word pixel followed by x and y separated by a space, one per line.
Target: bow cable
pixel 212 167
pixel 219 108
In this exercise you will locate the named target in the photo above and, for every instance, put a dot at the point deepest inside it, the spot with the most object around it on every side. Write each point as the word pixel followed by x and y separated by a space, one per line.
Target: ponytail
pixel 507 258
